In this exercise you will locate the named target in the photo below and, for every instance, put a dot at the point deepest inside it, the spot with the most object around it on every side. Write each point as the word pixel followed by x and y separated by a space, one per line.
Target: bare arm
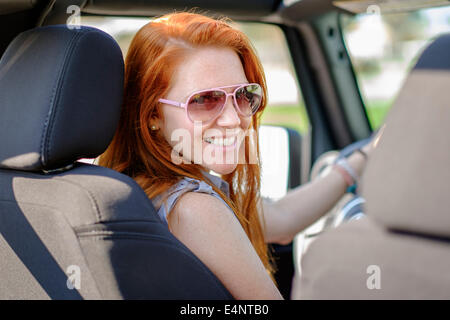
pixel 305 204
pixel 211 231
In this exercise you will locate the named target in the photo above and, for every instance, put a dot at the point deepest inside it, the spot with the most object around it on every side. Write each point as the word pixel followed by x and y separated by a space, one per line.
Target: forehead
pixel 205 68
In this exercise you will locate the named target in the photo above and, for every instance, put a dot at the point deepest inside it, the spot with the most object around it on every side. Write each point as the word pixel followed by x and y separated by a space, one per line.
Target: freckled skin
pixel 205 68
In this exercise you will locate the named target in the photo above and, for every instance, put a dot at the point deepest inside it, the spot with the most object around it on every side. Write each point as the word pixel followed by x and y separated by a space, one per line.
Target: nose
pixel 229 116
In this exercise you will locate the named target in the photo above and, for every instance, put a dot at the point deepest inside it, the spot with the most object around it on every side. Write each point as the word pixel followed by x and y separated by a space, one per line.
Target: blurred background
pixel 382 49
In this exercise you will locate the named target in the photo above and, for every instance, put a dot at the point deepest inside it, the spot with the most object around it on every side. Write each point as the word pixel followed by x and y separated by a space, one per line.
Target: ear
pixel 158 123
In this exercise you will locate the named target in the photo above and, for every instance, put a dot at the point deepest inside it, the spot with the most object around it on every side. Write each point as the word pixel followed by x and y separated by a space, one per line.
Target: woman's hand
pixel 304 205
pixel 357 161
pixel 368 148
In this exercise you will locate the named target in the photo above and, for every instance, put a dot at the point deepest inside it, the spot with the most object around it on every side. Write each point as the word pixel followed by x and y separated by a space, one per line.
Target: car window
pixel 383 49
pixel 285 102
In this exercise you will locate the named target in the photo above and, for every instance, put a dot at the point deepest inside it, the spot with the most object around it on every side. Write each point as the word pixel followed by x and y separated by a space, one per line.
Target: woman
pixel 194 93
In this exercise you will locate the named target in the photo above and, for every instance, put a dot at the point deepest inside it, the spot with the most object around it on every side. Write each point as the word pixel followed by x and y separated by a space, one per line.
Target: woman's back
pixel 203 222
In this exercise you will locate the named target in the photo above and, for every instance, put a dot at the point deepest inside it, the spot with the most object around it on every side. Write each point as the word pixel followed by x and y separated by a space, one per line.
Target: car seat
pixel 70 230
pixel 401 249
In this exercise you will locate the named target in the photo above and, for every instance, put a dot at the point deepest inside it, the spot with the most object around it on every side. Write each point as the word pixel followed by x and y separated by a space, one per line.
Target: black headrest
pixel 60 97
pixel 407 178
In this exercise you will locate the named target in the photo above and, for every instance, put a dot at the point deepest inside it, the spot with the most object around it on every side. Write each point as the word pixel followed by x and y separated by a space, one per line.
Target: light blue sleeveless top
pixel 188 185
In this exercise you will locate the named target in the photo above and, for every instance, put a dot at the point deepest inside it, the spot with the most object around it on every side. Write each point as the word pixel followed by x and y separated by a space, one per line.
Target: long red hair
pixel 145 155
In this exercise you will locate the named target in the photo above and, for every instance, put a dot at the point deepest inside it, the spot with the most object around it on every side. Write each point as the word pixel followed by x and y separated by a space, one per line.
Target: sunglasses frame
pixel 233 94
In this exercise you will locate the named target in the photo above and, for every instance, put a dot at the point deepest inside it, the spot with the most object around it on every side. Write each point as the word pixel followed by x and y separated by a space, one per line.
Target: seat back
pixel 402 249
pixel 70 230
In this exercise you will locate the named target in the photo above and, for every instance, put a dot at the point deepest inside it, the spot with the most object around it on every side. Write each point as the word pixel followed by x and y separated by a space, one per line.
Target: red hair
pixel 135 150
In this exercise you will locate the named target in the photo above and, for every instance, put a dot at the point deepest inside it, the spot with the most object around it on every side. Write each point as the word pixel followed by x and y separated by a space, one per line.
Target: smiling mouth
pixel 221 142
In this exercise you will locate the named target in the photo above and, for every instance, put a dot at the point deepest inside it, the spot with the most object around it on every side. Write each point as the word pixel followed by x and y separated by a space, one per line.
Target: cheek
pixel 176 125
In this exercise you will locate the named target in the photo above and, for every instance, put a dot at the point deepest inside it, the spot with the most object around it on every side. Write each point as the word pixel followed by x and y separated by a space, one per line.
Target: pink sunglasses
pixel 206 105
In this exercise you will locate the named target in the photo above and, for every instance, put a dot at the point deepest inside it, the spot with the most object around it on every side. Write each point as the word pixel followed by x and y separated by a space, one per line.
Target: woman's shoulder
pixel 200 205
pixel 192 191
pixel 190 188
pixel 208 228
pixel 202 213
pixel 192 185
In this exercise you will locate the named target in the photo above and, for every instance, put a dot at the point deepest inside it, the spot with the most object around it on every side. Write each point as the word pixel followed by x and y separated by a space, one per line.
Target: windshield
pixel 383 49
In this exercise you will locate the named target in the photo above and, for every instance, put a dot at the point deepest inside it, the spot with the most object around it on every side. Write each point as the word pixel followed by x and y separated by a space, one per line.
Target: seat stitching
pixel 44 136
pixel 90 196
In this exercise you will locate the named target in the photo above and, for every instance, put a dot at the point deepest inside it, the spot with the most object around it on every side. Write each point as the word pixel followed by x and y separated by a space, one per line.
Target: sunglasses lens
pixel 248 99
pixel 204 106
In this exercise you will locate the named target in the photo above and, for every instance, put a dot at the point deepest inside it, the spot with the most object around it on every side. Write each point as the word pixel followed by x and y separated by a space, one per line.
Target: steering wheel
pixel 348 208
pixel 352 209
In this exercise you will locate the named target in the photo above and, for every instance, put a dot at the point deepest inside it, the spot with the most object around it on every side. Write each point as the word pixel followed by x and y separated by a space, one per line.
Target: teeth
pixel 221 141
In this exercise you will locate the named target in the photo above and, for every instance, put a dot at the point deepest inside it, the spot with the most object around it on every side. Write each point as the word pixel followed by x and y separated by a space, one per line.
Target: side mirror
pixel 280 150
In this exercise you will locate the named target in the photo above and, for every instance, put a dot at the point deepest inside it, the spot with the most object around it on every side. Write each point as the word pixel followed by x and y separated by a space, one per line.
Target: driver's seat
pixel 402 249
pixel 70 230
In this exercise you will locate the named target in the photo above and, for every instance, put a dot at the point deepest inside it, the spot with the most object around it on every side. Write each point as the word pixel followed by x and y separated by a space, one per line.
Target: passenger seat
pixel 402 249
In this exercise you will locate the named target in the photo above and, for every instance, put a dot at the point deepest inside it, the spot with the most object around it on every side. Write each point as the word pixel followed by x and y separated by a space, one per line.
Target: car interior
pixel 60 98
pixel 57 213
pixel 407 240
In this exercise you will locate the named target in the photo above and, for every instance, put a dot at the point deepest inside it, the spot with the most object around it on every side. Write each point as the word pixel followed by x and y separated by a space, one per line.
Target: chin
pixel 219 159
pixel 222 169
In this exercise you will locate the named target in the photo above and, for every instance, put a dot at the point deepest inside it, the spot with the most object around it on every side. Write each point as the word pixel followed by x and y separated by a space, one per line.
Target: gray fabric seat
pixel 70 230
pixel 402 249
